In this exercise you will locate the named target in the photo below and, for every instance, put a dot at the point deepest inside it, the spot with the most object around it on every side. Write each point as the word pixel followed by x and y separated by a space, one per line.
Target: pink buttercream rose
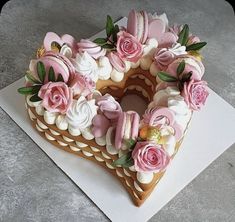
pixel 56 97
pixel 150 157
pixel 195 94
pixel 82 85
pixel 128 47
pixel 163 57
pixel 109 107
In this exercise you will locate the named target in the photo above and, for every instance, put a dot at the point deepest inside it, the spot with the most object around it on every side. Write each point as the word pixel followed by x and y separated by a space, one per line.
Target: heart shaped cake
pixel 74 88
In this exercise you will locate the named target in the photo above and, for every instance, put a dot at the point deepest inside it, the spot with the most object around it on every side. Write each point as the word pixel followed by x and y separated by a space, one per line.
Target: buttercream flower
pixel 86 65
pixel 81 113
pixel 56 97
pixel 109 106
pixel 150 157
pixel 128 47
pixel 195 94
pixel 164 56
pixel 60 64
pixel 82 85
pixel 191 65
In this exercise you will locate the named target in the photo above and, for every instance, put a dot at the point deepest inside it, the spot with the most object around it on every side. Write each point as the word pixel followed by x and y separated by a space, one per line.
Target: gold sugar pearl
pixel 153 134
pixel 40 52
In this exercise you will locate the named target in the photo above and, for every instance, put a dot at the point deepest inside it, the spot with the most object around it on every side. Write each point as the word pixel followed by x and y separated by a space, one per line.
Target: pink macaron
pixel 137 25
pixel 127 128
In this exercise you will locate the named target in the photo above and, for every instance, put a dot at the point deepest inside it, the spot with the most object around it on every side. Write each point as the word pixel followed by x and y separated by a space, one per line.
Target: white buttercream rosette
pixel 80 116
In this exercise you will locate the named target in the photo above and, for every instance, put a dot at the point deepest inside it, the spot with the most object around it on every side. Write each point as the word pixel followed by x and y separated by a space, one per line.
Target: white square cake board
pixel 204 142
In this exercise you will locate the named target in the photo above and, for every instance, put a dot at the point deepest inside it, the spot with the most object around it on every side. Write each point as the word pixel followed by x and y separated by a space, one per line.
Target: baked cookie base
pixel 138 192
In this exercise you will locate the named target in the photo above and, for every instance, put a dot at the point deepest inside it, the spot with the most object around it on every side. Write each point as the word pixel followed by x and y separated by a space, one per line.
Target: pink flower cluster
pixel 195 94
pixel 128 47
pixel 56 97
pixel 150 157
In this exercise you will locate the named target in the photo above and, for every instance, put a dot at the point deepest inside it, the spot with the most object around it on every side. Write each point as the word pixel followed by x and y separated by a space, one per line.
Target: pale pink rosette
pixel 109 107
pixel 195 94
pixel 82 85
pixel 56 97
pixel 60 64
pixel 109 112
pixel 150 157
pixel 128 47
pixel 94 50
pixel 191 65
pixel 163 57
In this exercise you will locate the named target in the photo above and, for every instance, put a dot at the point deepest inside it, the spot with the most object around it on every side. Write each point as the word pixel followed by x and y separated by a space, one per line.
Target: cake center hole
pixel 135 103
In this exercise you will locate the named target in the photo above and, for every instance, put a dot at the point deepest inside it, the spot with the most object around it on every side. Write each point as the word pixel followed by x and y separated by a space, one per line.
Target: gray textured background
pixel 32 188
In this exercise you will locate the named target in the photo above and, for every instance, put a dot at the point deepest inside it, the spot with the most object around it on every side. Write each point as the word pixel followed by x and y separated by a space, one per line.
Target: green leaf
pixel 116 30
pixel 180 85
pixel 125 160
pixel 186 77
pixel 51 75
pixel 130 143
pixel 109 26
pixel 25 90
pixel 183 35
pixel 108 46
pixel 129 163
pixel 100 41
pixel 36 89
pixel 195 46
pixel 180 67
pixel 35 98
pixel 41 71
pixel 60 78
pixel 31 78
pixel 166 77
pixel 29 90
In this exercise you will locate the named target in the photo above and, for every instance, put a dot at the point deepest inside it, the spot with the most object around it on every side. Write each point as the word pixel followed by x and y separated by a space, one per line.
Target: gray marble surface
pixel 32 188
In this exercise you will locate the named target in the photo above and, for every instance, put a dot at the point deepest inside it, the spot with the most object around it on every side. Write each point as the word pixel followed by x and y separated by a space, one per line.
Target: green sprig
pixel 109 26
pixel 51 74
pixel 166 77
pixel 180 67
pixel 125 161
pixel 35 98
pixel 195 46
pixel 183 35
